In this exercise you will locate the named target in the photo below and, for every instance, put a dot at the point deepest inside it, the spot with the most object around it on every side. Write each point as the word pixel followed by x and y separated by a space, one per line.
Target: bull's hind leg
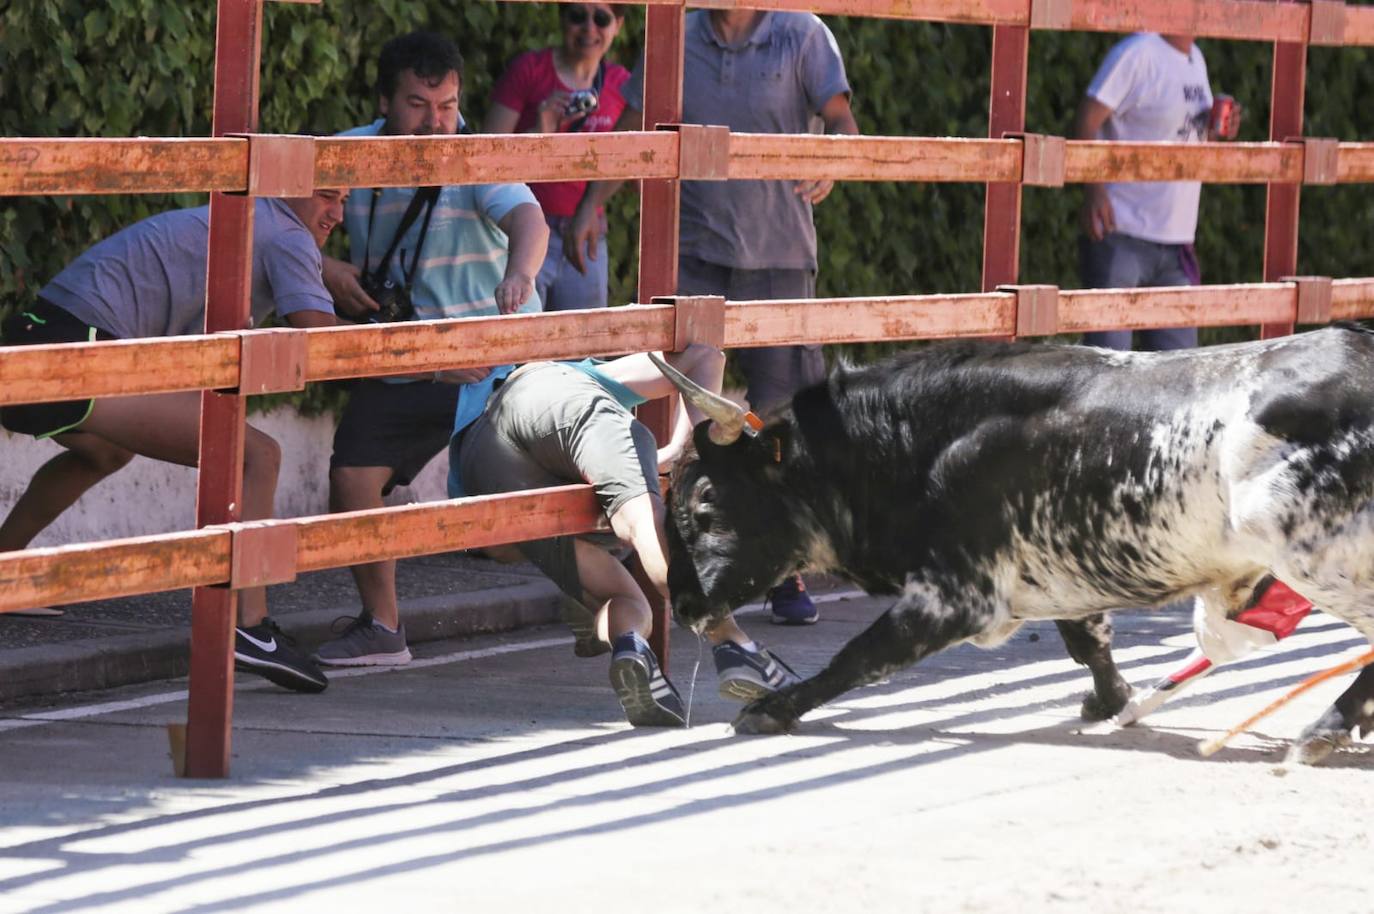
pixel 1343 594
pixel 920 624
pixel 1353 709
pixel 1090 643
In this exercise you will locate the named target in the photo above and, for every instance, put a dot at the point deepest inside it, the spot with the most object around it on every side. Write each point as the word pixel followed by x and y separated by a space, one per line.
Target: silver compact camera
pixel 582 101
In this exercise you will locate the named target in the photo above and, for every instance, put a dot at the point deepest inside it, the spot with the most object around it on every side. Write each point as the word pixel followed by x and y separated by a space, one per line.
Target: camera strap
pixel 425 197
pixel 597 82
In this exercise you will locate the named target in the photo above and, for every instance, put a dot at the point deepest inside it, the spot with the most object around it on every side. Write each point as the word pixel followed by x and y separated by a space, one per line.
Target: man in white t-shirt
pixel 1140 233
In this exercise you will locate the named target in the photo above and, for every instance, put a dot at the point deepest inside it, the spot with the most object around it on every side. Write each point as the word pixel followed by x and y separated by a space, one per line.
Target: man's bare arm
pixel 529 242
pixel 1097 216
pixel 838 119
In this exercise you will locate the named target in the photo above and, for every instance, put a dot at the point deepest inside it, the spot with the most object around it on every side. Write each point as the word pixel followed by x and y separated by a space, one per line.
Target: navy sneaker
pixel 750 675
pixel 792 604
pixel 268 651
pixel 647 696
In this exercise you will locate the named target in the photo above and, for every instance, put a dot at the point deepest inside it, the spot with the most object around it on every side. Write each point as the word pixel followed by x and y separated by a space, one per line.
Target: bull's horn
pixel 728 419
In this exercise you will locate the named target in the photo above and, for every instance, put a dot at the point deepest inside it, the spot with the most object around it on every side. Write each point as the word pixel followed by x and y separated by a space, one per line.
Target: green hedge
pixel 145 67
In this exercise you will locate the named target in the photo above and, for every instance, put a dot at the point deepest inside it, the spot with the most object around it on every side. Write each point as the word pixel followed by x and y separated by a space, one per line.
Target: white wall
pixel 149 496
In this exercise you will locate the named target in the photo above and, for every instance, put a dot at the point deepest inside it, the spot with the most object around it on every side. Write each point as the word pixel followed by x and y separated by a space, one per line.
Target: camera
pixel 394 299
pixel 582 101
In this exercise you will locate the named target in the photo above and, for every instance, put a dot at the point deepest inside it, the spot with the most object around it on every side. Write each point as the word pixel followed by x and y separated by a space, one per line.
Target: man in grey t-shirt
pixel 754 72
pixel 148 280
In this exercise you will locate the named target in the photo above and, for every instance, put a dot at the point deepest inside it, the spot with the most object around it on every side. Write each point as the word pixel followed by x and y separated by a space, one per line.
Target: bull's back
pixel 1078 477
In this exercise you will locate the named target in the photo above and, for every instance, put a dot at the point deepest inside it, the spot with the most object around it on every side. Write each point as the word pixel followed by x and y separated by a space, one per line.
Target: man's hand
pixel 551 113
pixel 513 291
pixel 524 225
pixel 581 237
pixel 814 191
pixel 838 118
pixel 342 280
pixel 1098 217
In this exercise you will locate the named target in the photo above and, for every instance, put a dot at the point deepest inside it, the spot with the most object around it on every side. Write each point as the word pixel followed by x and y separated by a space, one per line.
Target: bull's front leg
pixel 918 625
pixel 1090 643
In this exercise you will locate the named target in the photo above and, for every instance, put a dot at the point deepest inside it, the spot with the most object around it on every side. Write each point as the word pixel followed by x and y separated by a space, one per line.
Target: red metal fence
pixel 229 363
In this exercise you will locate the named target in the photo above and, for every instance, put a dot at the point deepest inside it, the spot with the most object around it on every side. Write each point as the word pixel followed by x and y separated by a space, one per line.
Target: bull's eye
pixel 702 520
pixel 703 502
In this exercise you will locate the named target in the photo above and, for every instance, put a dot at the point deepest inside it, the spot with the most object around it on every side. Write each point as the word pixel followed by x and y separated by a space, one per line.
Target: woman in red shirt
pixel 566 89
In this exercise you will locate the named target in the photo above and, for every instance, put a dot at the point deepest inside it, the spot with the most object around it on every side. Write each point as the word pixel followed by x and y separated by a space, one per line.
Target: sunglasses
pixel 577 15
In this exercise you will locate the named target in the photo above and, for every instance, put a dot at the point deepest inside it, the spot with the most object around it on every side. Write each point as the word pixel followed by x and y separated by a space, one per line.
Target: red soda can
pixel 1224 123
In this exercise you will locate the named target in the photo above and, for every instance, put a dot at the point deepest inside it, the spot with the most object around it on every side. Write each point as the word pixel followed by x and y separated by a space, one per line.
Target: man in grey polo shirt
pixel 754 72
pixel 148 280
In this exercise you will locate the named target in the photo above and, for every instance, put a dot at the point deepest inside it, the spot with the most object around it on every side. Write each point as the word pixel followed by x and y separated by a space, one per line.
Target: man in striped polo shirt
pixel 459 251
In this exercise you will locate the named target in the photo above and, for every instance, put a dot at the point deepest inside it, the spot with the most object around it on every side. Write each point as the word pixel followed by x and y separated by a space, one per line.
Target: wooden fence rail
pixel 65 371
pixel 30 167
pixel 205 557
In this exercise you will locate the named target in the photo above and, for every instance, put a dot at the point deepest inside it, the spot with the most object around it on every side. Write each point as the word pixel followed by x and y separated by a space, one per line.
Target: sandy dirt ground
pixel 496 775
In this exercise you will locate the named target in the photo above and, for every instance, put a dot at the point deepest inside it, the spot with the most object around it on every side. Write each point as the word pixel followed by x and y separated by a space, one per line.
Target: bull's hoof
pixel 760 723
pixel 1095 707
pixel 1313 748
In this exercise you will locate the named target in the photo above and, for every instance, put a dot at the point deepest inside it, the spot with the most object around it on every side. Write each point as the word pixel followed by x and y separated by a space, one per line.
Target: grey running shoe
pixel 750 675
pixel 648 698
pixel 362 642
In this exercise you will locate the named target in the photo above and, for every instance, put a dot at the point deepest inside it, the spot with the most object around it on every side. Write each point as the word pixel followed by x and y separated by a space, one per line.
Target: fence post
pixel 219 492
pixel 1006 114
pixel 658 225
pixel 1281 203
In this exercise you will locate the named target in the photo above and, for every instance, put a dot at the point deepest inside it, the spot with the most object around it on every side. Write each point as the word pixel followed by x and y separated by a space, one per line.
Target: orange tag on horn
pixel 752 423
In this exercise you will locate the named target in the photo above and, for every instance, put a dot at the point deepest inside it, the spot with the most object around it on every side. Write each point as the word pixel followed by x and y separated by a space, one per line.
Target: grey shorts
pixel 551 425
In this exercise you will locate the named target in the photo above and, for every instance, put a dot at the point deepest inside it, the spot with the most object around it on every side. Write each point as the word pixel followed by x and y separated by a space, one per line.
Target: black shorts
pixel 47 323
pixel 401 426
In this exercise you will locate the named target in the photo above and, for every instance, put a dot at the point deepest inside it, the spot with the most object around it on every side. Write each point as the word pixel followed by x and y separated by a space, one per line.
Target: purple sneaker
pixel 792 604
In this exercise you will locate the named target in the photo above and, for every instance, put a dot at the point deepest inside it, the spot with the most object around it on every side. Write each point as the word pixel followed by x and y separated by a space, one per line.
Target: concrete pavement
pixel 496 774
pixel 110 643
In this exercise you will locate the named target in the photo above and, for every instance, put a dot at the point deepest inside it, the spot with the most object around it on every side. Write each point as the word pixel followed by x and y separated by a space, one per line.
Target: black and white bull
pixel 991 484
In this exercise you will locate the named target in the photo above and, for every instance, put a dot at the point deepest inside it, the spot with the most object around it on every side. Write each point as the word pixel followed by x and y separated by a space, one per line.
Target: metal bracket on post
pixel 1326 22
pixel 280 165
pixel 696 319
pixel 1314 298
pixel 262 553
pixel 270 361
pixel 1042 158
pixel 1037 309
pixel 703 151
pixel 1051 14
pixel 1319 159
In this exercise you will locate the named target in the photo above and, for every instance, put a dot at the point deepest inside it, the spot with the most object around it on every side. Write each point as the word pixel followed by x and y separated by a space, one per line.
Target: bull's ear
pixel 775 443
